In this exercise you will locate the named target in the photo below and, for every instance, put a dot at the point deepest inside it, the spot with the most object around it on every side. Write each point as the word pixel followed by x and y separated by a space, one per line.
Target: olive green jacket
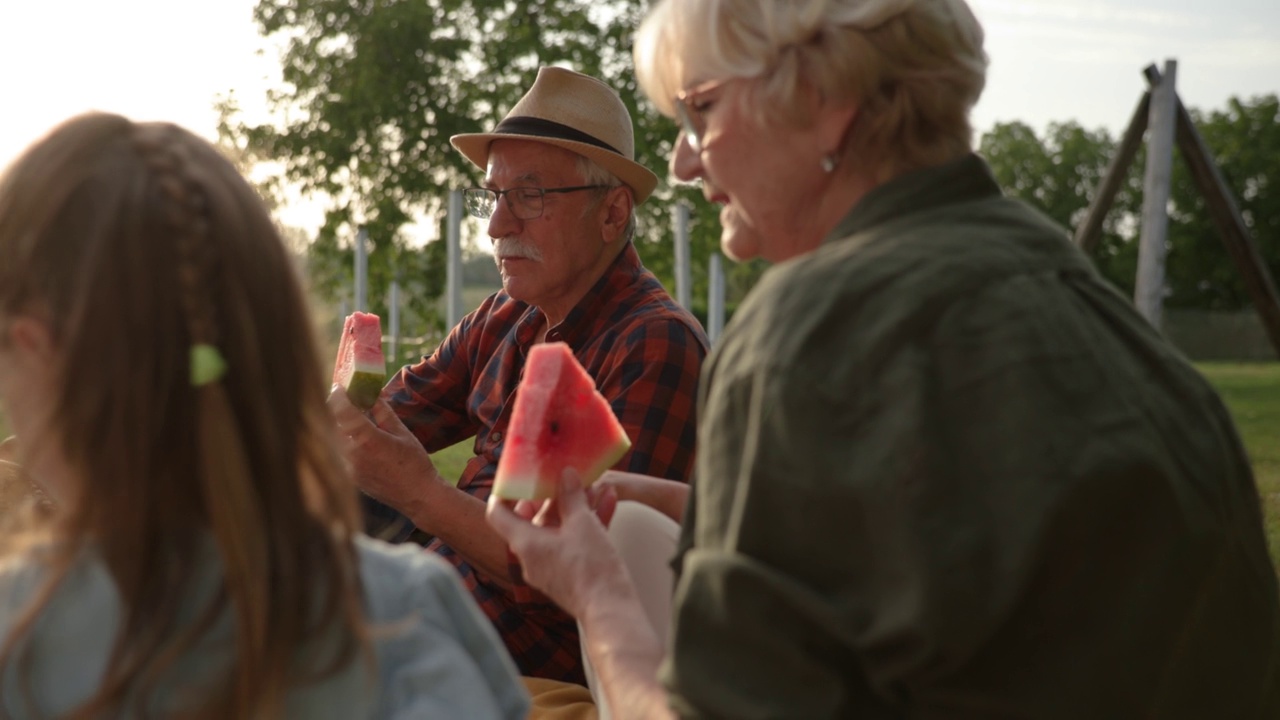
pixel 946 471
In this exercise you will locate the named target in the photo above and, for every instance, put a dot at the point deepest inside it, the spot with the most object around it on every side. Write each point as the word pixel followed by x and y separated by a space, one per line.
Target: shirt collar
pixel 963 180
pixel 585 315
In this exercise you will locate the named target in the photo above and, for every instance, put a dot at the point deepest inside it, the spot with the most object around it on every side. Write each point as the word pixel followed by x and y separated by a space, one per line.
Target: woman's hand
pixel 666 496
pixel 562 544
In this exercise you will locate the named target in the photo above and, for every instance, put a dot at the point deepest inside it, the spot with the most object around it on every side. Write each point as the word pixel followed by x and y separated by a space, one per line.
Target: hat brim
pixel 641 180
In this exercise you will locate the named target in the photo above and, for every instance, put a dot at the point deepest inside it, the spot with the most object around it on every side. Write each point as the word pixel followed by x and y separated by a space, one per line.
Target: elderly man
pixel 560 190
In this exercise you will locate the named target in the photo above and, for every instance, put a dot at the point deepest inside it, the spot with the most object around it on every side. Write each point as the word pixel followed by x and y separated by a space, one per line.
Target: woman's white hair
pixel 913 68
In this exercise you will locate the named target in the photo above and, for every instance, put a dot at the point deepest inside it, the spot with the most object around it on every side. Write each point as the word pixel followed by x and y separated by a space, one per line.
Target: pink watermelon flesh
pixel 360 368
pixel 559 421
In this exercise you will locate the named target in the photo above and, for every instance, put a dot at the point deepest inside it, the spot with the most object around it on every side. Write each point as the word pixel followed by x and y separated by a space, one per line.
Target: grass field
pixel 1251 391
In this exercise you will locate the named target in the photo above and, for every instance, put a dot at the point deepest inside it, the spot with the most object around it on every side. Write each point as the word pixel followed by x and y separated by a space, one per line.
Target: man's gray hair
pixel 593 174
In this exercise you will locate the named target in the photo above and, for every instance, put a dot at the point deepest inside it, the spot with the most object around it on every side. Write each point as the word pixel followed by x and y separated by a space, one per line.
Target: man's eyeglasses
pixel 525 202
pixel 691 112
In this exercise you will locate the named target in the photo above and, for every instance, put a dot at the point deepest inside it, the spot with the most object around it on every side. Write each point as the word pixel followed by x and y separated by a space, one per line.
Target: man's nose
pixel 503 221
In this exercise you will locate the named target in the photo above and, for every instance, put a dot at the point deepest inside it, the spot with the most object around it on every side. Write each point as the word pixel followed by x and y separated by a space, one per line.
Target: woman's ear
pixel 834 123
pixel 31 338
pixel 28 375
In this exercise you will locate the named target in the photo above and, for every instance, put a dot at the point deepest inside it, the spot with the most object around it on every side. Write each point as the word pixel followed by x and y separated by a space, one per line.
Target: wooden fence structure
pixel 1161 111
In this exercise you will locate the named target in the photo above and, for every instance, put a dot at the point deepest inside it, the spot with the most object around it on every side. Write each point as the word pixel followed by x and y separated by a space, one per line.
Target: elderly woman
pixel 944 470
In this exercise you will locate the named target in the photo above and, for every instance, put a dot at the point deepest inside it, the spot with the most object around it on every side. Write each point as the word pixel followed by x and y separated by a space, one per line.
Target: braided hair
pixel 143 249
pixel 185 208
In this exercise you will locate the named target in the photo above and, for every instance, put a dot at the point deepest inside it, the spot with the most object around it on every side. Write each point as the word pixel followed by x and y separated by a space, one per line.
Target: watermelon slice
pixel 559 421
pixel 360 368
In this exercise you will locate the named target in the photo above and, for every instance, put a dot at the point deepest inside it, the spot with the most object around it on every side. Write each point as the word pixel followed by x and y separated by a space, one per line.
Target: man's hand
pixel 387 461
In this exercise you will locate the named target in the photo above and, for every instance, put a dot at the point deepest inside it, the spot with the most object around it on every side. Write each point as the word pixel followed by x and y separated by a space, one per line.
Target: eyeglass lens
pixel 525 203
pixel 692 129
pixel 480 202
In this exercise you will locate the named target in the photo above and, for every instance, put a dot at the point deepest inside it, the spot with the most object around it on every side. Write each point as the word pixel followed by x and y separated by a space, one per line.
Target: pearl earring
pixel 828 163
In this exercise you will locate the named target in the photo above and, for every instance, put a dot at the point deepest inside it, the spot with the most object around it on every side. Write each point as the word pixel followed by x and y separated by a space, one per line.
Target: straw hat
pixel 576 112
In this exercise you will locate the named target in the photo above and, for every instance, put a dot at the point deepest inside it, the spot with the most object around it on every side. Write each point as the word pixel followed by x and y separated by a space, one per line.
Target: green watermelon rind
pixel 364 388
pixel 522 473
pixel 523 487
pixel 359 368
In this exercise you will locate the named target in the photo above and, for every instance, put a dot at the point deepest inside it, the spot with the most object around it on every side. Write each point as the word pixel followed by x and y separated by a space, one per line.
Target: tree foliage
pixel 373 89
pixel 1245 141
pixel 1059 173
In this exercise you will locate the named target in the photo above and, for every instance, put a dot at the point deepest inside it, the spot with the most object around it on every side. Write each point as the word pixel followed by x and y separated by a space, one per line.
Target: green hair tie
pixel 207 364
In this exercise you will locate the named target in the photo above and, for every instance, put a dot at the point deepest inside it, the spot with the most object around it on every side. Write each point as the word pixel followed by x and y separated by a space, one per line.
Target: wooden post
pixel 453 259
pixel 680 222
pixel 1148 294
pixel 361 252
pixel 393 322
pixel 1090 231
pixel 1226 216
pixel 715 297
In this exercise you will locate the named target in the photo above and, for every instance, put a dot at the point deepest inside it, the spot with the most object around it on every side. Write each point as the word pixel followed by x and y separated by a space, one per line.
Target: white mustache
pixel 509 247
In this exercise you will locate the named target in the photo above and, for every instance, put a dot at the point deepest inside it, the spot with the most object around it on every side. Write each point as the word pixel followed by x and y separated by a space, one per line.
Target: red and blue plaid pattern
pixel 645 353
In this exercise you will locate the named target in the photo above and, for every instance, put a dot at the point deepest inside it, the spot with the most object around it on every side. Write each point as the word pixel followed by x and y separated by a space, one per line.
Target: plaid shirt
pixel 645 353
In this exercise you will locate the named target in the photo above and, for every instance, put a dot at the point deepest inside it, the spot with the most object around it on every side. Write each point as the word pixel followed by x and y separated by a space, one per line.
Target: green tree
pixel 1245 142
pixel 1059 174
pixel 374 88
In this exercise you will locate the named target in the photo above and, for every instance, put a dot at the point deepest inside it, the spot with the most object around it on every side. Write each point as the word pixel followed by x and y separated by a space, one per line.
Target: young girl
pixel 157 368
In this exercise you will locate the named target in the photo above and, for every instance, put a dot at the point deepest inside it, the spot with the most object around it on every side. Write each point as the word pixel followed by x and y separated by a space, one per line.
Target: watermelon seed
pixel 555 427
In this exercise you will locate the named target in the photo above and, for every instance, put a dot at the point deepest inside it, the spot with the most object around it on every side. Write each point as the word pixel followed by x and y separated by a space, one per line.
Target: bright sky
pixel 1051 60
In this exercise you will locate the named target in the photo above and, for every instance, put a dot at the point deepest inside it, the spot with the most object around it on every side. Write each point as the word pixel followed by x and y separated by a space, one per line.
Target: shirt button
pixel 495 437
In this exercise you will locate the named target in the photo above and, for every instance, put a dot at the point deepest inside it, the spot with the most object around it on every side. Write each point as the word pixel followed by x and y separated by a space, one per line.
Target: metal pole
pixel 1148 294
pixel 362 268
pixel 715 297
pixel 393 309
pixel 680 218
pixel 453 236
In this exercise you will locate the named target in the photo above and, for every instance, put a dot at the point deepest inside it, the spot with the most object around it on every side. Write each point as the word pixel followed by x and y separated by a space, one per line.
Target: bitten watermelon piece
pixel 559 421
pixel 360 368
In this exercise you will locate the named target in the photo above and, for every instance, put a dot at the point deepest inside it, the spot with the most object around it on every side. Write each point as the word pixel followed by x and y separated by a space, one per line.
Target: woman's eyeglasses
pixel 525 202
pixel 691 112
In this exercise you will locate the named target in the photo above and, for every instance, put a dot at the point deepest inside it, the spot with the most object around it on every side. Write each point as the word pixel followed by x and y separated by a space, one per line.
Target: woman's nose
pixel 685 163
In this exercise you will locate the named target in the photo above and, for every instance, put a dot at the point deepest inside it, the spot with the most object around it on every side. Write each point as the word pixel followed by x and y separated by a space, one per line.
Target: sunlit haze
pixel 1051 61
